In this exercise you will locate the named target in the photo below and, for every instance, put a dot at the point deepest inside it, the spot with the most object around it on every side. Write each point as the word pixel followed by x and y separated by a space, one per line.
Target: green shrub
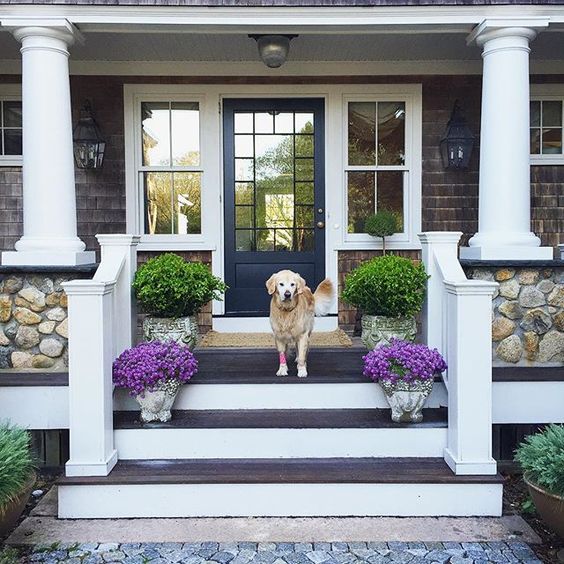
pixel 382 224
pixel 541 457
pixel 391 286
pixel 16 462
pixel 168 286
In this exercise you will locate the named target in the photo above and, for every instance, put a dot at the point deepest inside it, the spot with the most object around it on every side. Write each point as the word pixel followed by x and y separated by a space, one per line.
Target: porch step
pixel 274 433
pixel 298 487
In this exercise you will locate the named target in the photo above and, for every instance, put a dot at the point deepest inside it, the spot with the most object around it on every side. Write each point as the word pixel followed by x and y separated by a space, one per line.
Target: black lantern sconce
pixel 458 142
pixel 88 143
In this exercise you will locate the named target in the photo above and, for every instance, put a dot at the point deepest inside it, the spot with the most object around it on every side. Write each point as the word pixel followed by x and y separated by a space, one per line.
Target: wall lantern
pixel 457 144
pixel 89 146
pixel 273 49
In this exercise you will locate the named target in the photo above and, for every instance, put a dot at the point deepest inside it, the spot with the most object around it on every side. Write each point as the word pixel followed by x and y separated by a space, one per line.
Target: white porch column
pixel 49 200
pixel 504 222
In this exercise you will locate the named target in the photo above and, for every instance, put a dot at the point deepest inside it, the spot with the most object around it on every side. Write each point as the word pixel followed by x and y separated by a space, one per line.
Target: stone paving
pixel 287 553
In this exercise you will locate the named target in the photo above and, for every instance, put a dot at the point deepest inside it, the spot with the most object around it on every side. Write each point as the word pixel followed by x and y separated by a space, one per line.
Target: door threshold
pixel 262 324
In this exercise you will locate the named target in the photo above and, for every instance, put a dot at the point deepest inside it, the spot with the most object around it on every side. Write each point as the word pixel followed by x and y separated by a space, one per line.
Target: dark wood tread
pixel 281 419
pixel 281 471
pixel 39 378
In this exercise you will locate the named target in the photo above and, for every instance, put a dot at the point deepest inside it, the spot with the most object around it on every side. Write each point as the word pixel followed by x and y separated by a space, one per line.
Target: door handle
pixel 320 224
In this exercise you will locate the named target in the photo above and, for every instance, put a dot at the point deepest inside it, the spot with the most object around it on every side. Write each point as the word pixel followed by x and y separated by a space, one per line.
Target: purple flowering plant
pixel 149 366
pixel 402 360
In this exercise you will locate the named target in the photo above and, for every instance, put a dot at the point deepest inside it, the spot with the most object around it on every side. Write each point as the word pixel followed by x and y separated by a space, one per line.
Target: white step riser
pixel 262 324
pixel 279 500
pixel 280 396
pixel 155 444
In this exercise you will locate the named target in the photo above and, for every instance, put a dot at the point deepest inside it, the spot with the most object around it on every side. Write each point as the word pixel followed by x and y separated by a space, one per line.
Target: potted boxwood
pixel 541 457
pixel 153 373
pixel 406 372
pixel 382 224
pixel 17 474
pixel 389 291
pixel 172 292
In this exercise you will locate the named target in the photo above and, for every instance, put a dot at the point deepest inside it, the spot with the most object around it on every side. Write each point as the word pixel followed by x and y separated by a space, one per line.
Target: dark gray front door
pixel 274 196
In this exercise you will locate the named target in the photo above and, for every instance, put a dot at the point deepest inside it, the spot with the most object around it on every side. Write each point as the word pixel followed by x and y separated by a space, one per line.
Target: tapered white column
pixel 49 199
pixel 504 221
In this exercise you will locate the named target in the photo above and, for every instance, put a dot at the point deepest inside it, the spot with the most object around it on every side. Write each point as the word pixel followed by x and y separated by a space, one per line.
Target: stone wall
pixel 33 320
pixel 528 313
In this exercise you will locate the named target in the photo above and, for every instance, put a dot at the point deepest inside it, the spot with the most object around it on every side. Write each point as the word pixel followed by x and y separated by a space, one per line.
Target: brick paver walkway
pixel 287 553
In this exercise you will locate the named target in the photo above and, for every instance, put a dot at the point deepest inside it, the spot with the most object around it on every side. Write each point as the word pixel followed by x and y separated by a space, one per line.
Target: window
pixel 546 127
pixel 170 171
pixel 10 131
pixel 376 160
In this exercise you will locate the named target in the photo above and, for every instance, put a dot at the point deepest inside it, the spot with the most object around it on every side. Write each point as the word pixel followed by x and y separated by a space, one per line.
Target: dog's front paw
pixel 302 371
pixel 283 370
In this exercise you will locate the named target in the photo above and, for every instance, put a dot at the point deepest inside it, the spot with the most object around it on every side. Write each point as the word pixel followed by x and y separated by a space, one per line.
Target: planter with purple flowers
pixel 406 372
pixel 153 373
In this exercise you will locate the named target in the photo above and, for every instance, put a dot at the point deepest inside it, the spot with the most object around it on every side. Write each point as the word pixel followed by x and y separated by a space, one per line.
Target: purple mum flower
pixel 401 360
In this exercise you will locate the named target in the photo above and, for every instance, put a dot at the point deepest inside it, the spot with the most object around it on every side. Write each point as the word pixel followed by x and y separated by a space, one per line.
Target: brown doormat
pixel 337 338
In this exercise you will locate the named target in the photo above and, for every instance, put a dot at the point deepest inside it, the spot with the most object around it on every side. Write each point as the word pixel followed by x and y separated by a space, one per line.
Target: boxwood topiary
pixel 16 463
pixel 382 224
pixel 168 286
pixel 541 457
pixel 391 286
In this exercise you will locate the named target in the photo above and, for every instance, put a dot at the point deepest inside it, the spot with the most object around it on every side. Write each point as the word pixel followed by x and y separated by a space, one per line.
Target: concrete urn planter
pixel 10 513
pixel 407 399
pixel 157 405
pixel 549 506
pixel 183 330
pixel 379 330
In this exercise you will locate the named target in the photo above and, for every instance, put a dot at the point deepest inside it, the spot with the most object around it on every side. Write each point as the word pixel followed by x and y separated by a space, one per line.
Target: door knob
pixel 320 224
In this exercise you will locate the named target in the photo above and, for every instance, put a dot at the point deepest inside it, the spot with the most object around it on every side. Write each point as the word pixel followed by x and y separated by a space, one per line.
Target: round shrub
pixel 16 462
pixel 382 224
pixel 541 457
pixel 168 286
pixel 390 286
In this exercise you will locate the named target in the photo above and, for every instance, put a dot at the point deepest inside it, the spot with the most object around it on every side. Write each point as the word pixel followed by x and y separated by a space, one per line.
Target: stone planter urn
pixel 407 399
pixel 549 506
pixel 157 405
pixel 379 330
pixel 183 330
pixel 10 513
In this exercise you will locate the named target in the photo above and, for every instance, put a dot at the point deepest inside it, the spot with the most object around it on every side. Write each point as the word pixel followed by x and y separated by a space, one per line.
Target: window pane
pixel 304 122
pixel 187 203
pixel 360 198
pixel 304 169
pixel 244 169
pixel 304 192
pixel 244 216
pixel 185 133
pixel 243 192
pixel 155 118
pixel 158 198
pixel 12 141
pixel 243 240
pixel 535 113
pixel 389 190
pixel 391 133
pixel 284 239
pixel 535 141
pixel 362 133
pixel 244 146
pixel 284 123
pixel 243 122
pixel 304 216
pixel 304 240
pixel 551 141
pixel 304 145
pixel 275 202
pixel 551 114
pixel 264 122
pixel 12 114
pixel 265 239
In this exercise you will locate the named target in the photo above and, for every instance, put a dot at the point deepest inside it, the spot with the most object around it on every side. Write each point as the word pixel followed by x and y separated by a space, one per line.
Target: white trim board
pixel 279 500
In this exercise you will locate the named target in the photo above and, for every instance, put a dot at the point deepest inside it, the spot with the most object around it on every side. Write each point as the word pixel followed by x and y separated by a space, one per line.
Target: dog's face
pixel 286 285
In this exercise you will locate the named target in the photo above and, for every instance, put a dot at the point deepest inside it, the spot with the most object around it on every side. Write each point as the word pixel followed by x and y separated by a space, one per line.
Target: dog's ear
pixel 271 284
pixel 301 285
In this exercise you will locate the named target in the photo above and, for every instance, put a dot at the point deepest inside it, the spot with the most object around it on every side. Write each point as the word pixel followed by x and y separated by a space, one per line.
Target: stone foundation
pixel 527 313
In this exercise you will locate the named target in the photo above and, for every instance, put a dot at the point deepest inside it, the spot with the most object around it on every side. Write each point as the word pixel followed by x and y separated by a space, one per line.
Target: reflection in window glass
pixel 362 133
pixel 546 127
pixel 391 133
pixel 243 122
pixel 389 193
pixel 185 123
pixel 361 199
pixel 155 120
pixel 10 128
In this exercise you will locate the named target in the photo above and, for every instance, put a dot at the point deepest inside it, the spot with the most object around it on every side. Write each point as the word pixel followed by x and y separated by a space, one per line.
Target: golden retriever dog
pixel 292 309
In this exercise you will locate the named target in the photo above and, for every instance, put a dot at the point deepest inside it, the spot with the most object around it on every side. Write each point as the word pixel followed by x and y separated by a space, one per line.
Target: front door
pixel 274 196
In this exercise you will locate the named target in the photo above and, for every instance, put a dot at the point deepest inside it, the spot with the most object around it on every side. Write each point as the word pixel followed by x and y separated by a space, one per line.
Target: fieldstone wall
pixel 33 321
pixel 528 314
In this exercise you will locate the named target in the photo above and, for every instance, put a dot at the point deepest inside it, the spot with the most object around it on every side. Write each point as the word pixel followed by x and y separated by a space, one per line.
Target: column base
pixel 48 258
pixel 92 469
pixel 506 252
pixel 470 468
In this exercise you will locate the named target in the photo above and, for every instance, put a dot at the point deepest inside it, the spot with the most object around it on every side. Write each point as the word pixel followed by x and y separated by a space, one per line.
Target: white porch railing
pixel 101 325
pixel 457 321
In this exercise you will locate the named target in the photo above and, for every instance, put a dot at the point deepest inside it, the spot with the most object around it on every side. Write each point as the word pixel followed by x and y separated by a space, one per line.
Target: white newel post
pixel 49 200
pixel 504 221
pixel 469 357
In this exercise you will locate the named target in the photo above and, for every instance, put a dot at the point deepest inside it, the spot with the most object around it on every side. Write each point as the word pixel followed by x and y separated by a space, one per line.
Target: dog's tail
pixel 323 297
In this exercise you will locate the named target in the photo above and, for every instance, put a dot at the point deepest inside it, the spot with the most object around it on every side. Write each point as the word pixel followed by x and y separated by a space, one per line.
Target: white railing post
pixel 92 450
pixel 469 357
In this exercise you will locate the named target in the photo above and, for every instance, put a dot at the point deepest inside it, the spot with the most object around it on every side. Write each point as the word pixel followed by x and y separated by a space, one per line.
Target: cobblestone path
pixel 287 553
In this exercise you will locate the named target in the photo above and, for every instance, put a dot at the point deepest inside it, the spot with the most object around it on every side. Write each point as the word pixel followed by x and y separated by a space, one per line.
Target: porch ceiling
pixel 202 47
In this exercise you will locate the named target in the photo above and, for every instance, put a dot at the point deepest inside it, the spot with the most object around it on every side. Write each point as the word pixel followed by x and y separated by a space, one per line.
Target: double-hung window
pixel 10 126
pixel 547 124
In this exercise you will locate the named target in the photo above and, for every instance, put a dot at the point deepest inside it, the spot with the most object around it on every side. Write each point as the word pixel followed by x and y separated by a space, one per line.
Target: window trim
pixel 548 92
pixel 11 92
